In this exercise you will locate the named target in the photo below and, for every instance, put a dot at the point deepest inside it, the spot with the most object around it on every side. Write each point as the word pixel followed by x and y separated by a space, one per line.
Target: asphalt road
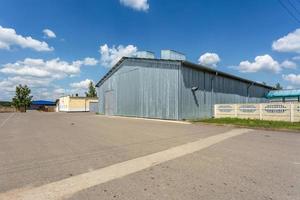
pixel 87 156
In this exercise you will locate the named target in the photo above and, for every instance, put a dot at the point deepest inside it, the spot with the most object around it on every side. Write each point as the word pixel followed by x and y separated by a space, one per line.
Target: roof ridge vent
pixel 144 54
pixel 172 55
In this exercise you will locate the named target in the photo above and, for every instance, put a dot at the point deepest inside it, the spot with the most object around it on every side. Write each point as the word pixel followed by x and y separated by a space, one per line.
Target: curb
pixel 254 128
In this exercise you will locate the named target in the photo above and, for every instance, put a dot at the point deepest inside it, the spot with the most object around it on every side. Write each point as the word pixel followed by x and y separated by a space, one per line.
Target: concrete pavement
pixel 37 149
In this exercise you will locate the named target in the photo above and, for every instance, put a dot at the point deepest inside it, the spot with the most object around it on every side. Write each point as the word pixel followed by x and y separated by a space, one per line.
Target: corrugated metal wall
pixel 212 90
pixel 142 88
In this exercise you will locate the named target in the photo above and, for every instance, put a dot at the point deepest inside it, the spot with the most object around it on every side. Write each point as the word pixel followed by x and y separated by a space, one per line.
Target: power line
pixel 293 6
pixel 289 12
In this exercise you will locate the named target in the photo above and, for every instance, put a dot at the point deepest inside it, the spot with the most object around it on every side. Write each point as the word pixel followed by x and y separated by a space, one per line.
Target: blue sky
pixel 72 42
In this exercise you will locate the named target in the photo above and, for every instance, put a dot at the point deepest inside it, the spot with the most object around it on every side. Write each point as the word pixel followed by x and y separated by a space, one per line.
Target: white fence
pixel 265 111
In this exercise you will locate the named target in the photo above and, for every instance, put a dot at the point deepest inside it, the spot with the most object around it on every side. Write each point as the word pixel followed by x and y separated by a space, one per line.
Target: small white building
pixel 74 104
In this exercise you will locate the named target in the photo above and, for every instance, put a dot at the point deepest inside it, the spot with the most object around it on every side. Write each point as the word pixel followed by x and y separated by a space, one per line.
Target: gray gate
pixel 93 107
pixel 109 102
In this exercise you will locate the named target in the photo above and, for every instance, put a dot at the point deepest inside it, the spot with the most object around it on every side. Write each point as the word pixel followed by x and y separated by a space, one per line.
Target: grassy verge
pixel 252 123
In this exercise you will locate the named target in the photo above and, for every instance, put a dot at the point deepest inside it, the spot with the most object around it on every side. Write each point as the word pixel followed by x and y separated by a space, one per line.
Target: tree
pixel 22 99
pixel 278 86
pixel 91 90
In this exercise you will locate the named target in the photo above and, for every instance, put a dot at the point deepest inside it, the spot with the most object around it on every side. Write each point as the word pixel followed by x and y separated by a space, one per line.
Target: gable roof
pixel 115 67
pixel 185 63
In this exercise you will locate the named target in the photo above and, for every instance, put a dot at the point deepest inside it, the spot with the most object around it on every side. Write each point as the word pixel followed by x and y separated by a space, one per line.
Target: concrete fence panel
pixel 265 111
pixel 225 110
pixel 276 112
pixel 246 111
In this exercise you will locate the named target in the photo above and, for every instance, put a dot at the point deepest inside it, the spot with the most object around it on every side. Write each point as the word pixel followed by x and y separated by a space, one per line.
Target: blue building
pixel 171 88
pixel 42 105
pixel 284 95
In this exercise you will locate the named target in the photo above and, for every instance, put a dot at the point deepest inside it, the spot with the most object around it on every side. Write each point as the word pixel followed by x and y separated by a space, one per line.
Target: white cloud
pixel 38 73
pixel 54 68
pixel 140 5
pixel 209 59
pixel 25 71
pixel 292 78
pixel 47 93
pixel 288 43
pixel 8 85
pixel 49 34
pixel 7 89
pixel 40 88
pixel 265 63
pixel 88 61
pixel 9 38
pixel 82 84
pixel 288 64
pixel 110 56
pixel 261 63
pixel 32 82
pixel 59 90
pixel 52 94
pixel 296 58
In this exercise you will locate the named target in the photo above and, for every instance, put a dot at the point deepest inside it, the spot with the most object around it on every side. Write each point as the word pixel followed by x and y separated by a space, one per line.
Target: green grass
pixel 253 123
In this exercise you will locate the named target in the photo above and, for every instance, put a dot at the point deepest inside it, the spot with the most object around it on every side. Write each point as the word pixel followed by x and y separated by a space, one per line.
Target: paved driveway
pixel 67 155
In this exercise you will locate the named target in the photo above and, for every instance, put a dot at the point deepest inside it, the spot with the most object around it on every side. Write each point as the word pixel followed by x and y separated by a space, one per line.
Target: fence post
pixel 215 111
pixel 260 111
pixel 235 110
pixel 292 112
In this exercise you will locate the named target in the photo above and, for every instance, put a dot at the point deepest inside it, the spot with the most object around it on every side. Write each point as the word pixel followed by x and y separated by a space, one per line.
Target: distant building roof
pixel 283 93
pixel 43 103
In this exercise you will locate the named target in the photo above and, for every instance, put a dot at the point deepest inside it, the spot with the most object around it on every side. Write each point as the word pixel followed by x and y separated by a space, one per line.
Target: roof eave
pixel 208 69
pixel 110 71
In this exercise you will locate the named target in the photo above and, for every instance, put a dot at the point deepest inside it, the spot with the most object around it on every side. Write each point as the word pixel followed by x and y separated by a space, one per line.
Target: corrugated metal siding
pixel 162 89
pixel 212 90
pixel 143 88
